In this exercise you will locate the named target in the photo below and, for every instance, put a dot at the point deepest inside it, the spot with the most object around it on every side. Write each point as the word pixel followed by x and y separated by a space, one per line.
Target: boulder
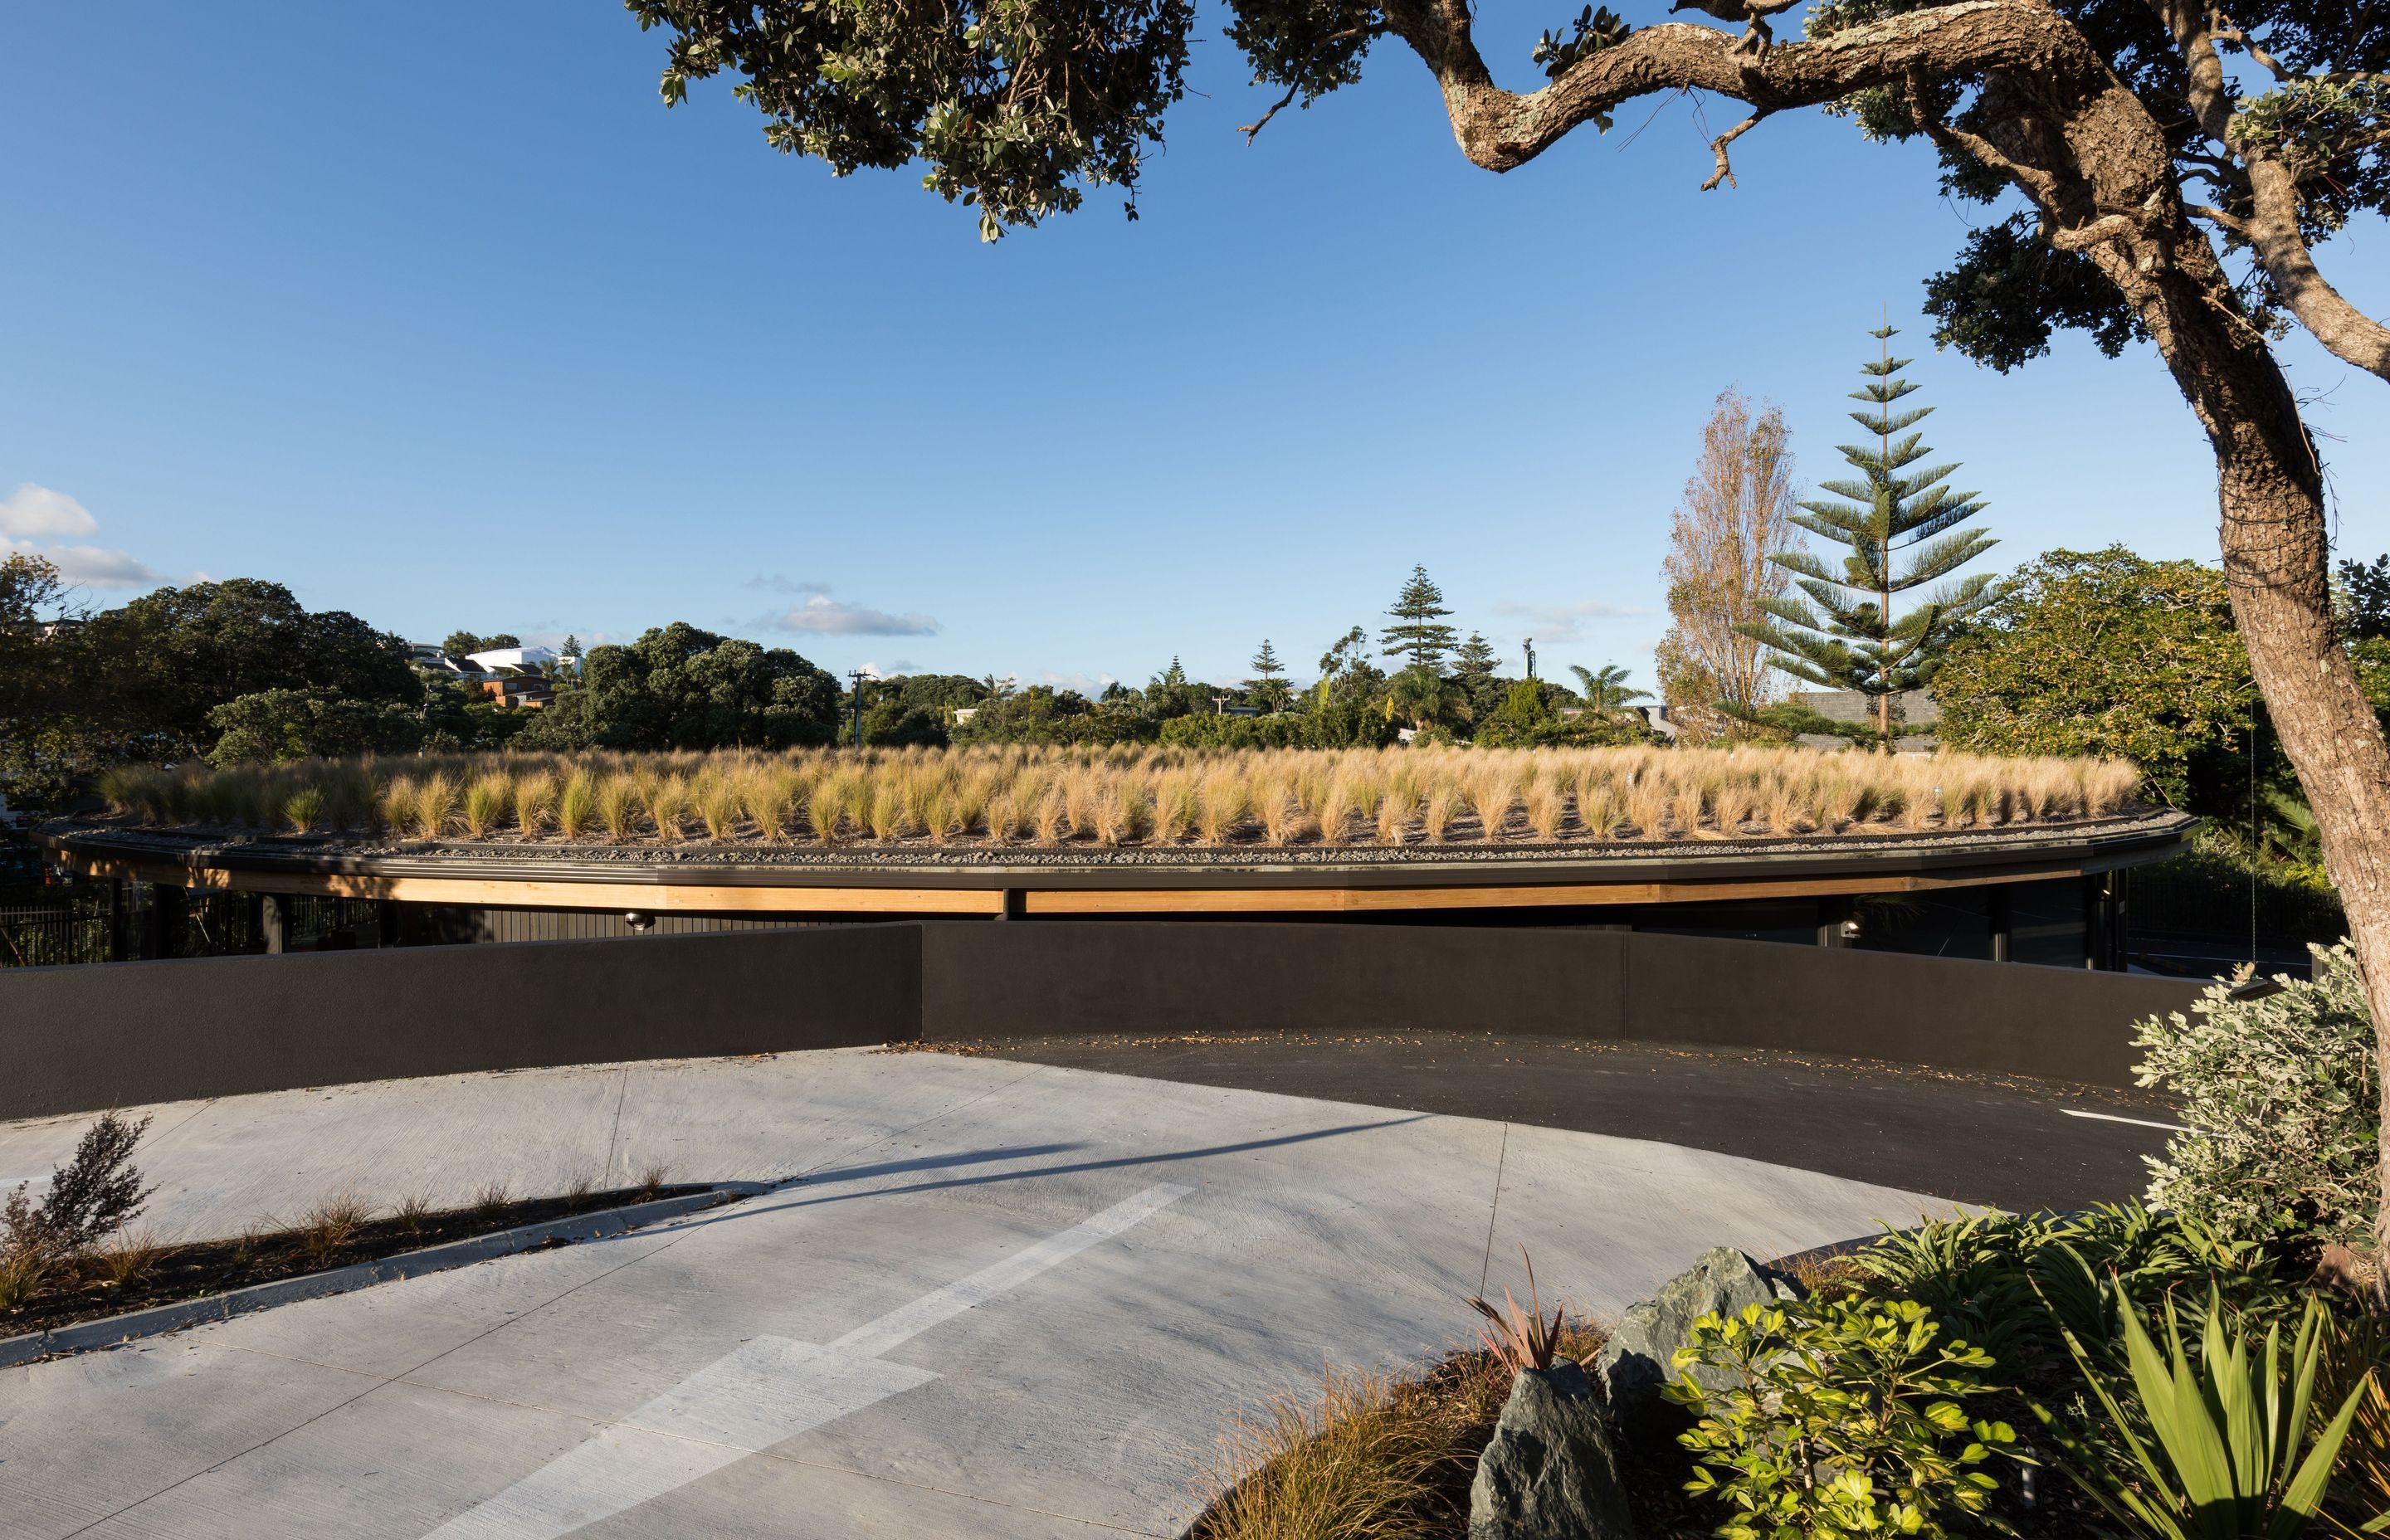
pixel 1641 1353
pixel 1549 1472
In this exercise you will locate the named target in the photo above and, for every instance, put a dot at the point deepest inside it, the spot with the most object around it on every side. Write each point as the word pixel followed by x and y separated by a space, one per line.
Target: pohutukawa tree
pixel 1900 524
pixel 2164 170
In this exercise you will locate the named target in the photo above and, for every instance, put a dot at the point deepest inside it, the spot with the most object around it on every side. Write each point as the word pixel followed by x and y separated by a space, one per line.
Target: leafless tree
pixel 1737 511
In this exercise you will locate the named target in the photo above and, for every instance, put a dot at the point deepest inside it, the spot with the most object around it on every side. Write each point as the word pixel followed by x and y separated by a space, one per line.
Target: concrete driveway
pixel 998 1299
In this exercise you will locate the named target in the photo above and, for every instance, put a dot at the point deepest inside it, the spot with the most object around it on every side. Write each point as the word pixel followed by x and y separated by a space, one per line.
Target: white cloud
pixel 778 584
pixel 1088 685
pixel 38 510
pixel 1562 623
pixel 823 616
pixel 893 670
pixel 93 567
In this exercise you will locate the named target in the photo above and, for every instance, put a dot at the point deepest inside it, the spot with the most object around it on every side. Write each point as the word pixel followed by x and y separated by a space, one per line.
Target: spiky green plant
pixel 2222 1460
pixel 303 809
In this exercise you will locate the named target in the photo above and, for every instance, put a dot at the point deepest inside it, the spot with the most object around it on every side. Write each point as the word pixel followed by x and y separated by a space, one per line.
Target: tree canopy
pixel 678 686
pixel 2106 653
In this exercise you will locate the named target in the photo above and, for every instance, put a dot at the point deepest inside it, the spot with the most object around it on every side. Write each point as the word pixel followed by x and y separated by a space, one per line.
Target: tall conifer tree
pixel 1418 636
pixel 1266 685
pixel 1898 523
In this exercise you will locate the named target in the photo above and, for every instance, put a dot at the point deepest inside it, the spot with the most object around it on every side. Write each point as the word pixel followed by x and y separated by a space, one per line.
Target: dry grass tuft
pixel 326 1230
pixel 128 1256
pixel 1373 1456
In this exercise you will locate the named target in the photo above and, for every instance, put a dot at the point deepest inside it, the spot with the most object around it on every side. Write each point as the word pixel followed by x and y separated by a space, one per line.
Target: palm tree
pixel 1607 691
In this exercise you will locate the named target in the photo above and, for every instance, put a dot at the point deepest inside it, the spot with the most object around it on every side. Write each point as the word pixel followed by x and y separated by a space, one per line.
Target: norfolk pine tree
pixel 1266 685
pixel 1898 523
pixel 1419 636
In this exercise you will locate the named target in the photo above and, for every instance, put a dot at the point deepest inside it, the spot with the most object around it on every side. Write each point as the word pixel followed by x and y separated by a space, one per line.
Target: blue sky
pixel 445 320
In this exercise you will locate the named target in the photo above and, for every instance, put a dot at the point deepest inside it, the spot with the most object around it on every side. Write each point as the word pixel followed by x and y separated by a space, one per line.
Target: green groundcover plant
pixel 1845 1416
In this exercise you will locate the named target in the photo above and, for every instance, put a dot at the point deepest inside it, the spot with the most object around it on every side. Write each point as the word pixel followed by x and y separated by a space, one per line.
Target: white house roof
pixel 513 657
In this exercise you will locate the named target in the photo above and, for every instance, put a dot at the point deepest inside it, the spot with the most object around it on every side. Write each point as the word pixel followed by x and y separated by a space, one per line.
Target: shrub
pixel 2285 1107
pixel 2017 1285
pixel 96 1192
pixel 1843 1416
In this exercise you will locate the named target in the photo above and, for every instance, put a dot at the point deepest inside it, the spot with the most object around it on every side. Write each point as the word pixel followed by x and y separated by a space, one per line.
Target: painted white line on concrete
pixel 759 1395
pixel 874 1338
pixel 2138 1122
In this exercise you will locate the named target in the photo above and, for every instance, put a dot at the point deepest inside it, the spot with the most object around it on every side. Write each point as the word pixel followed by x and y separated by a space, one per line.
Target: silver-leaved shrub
pixel 2284 1104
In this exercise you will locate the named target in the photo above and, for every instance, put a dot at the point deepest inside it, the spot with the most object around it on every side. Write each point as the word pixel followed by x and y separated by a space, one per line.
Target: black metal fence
pixel 101 922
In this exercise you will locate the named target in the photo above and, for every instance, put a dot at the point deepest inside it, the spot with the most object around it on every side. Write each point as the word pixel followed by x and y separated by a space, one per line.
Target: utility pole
pixel 854 679
pixel 1531 657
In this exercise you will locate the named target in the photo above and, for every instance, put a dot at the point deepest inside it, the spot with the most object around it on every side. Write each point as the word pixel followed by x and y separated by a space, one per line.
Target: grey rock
pixel 1641 1353
pixel 1549 1472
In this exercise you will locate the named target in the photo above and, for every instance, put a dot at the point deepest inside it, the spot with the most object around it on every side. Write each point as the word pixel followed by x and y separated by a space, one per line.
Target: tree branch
pixel 2218 217
pixel 1374 30
pixel 2039 184
pixel 1725 171
pixel 2271 227
pixel 1502 130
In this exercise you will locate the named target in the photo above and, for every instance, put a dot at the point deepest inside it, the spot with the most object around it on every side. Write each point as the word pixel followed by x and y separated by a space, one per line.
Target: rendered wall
pixel 76 1039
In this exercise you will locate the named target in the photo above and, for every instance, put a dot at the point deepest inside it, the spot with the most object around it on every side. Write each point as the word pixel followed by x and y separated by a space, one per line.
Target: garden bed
pixel 1019 799
pixel 133 1273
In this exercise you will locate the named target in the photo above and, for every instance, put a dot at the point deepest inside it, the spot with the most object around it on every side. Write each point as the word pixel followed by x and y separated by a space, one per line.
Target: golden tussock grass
pixel 1132 795
pixel 1369 1457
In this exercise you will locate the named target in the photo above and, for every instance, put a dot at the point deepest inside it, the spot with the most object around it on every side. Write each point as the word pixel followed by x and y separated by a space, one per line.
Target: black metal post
pixel 116 936
pixel 2002 923
pixel 165 921
pixel 386 921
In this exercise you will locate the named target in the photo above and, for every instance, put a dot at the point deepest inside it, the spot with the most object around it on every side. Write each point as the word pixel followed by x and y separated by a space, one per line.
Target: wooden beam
pixel 1117 901
pixel 654 897
pixel 666 898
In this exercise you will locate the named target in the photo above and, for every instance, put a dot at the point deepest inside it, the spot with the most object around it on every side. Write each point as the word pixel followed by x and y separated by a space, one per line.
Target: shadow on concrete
pixel 787 1197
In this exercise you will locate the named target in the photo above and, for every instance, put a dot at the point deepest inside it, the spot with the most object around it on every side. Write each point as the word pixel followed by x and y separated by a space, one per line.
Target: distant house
pixel 517 659
pixel 1913 708
pixel 530 691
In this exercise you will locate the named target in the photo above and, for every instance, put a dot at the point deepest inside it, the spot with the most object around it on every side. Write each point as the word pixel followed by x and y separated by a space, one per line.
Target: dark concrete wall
pixel 1031 979
pixel 78 1039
